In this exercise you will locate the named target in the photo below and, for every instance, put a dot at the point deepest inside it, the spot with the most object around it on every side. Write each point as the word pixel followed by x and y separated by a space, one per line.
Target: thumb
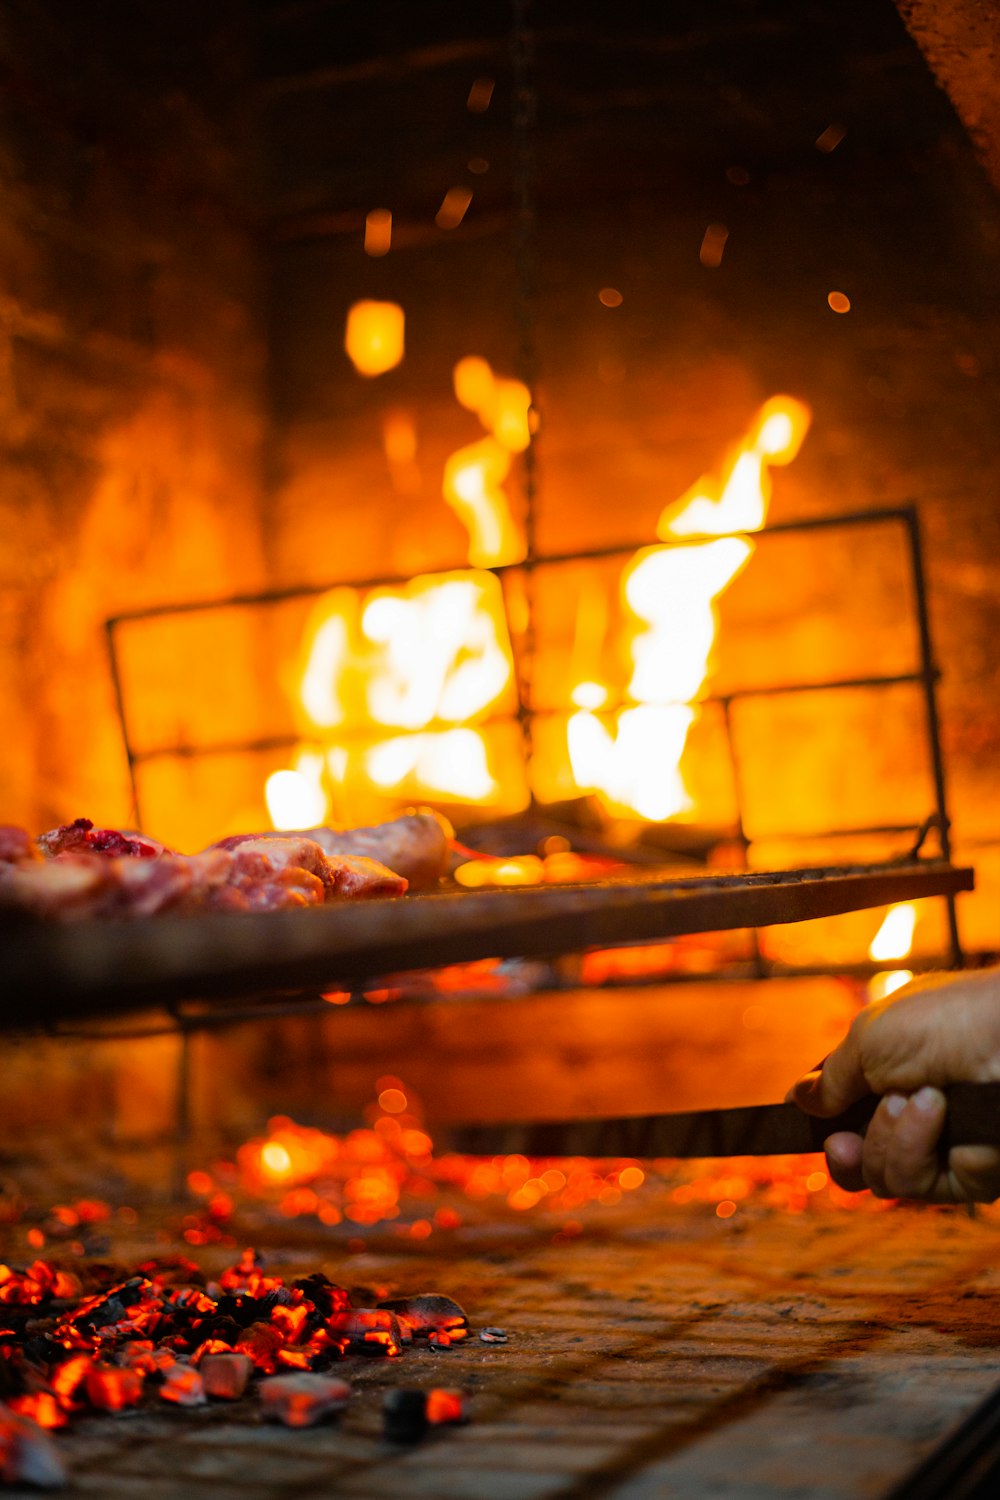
pixel 829 1089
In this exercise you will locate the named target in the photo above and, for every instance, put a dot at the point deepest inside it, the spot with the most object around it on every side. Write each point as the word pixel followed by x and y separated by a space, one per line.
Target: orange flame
pixel 473 476
pixel 374 336
pixel 429 661
pixel 669 597
pixel 894 939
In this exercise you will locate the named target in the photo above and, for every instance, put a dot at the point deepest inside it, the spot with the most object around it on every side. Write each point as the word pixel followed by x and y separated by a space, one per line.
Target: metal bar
pixel 761 1130
pixel 524 108
pixel 929 674
pixel 558 559
pixel 192 750
pixel 105 967
pixel 759 962
pixel 118 689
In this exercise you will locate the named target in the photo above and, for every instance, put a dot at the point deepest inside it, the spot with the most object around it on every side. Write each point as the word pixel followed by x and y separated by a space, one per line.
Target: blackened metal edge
pixel 56 972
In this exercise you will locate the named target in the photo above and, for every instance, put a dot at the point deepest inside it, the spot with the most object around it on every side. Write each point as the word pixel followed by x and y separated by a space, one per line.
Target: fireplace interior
pixel 582 423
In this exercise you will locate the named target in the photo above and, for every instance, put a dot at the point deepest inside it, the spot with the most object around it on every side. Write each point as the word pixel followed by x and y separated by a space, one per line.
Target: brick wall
pixel 130 361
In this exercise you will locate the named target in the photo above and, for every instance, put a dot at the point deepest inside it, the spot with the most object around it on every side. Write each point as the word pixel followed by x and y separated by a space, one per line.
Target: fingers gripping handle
pixel 973 1117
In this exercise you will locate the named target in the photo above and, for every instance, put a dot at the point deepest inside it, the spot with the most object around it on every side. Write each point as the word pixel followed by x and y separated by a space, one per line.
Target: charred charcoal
pixel 183 1385
pixel 430 1312
pixel 261 1343
pixel 439 1341
pixel 41 1351
pixel 363 1330
pixel 325 1296
pixel 404 1415
pixel 244 1308
pixel 112 1388
pixel 27 1454
pixel 446 1406
pixel 225 1376
pixel 303 1400
pixel 226 1330
pixel 42 1407
pixel 493 1335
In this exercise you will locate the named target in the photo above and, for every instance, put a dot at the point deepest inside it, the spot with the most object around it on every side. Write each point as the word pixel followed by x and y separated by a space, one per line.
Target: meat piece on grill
pixel 81 837
pixel 73 886
pixel 291 857
pixel 258 875
pixel 16 846
pixel 416 846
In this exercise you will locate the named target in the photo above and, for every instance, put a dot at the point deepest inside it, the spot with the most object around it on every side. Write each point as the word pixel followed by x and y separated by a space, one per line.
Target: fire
pixel 669 599
pixel 474 475
pixel 893 940
pixel 428 661
pixel 396 685
pixel 374 336
pixel 294 800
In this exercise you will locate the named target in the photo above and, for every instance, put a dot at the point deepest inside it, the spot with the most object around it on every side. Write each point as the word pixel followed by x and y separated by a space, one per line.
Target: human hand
pixel 908 1048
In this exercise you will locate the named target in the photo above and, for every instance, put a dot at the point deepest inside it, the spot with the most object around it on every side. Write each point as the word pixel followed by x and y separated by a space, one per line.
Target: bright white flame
pixel 442 659
pixel 637 767
pixel 433 653
pixel 293 801
pixel 670 600
pixel 881 985
pixel 472 486
pixel 589 695
pixel 452 762
pixel 894 938
pixel 327 656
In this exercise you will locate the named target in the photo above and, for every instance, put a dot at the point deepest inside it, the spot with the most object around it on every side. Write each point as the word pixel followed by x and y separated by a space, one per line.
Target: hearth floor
pixel 660 1352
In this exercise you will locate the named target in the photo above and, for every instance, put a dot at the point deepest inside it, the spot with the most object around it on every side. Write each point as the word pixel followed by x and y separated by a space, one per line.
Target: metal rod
pixel 930 675
pixel 182 1136
pixel 192 750
pixel 845 519
pixel 130 753
pixel 760 966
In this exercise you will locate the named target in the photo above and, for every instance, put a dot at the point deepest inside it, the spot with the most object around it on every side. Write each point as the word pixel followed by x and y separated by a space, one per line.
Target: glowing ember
pixel 378 232
pixel 669 597
pixel 99 1353
pixel 374 336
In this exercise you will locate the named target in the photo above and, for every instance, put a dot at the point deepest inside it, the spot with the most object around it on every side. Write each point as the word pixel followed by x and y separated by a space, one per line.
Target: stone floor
pixel 661 1352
